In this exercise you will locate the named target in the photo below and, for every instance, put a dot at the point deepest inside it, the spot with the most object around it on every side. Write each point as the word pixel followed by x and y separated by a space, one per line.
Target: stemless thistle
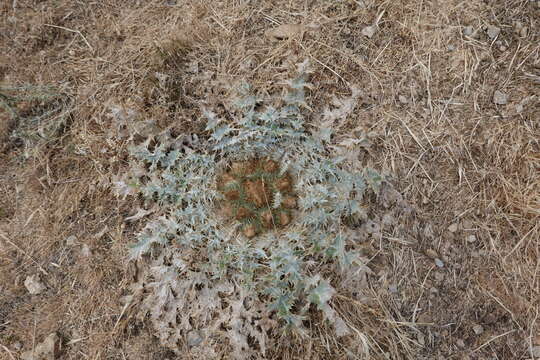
pixel 283 196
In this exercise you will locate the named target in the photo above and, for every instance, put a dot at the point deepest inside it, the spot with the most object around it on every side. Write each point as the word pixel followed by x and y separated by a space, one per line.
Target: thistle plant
pixel 253 210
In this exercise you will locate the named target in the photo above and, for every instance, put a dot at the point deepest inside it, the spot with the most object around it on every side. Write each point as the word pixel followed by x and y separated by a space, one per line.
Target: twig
pixel 73 31
pixel 8 351
pixel 492 339
pixel 421 294
pixel 519 243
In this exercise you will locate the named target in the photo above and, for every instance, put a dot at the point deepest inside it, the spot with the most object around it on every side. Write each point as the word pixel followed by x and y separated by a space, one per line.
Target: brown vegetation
pixel 456 279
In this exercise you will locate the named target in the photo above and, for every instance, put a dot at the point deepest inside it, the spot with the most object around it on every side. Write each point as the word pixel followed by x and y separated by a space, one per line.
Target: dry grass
pixel 457 158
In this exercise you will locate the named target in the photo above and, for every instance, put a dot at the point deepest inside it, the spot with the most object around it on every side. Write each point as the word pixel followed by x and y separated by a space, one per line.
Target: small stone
pixel 71 240
pixel 502 48
pixel 471 238
pixel 432 253
pixel 523 31
pixel 194 338
pixel 17 345
pixel 468 30
pixel 453 227
pixel 392 288
pixel 493 31
pixel 421 339
pixel 403 99
pixel 478 329
pixel 85 251
pixel 535 351
pixel 369 31
pixel 49 349
pixel 500 98
pixel 460 343
pixel 439 276
pixel 467 224
pixel 451 47
pixel 439 263
pixel 34 285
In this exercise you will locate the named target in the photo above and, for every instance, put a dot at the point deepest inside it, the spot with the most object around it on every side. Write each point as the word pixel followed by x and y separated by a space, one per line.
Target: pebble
pixel 392 288
pixel 421 339
pixel 468 30
pixel 500 98
pixel 535 351
pixel 471 238
pixel 432 253
pixel 439 263
pixel 467 224
pixel 85 251
pixel 194 338
pixel 34 285
pixel 403 99
pixel 518 26
pixel 439 276
pixel 460 343
pixel 493 31
pixel 453 227
pixel 369 31
pixel 478 329
pixel 71 240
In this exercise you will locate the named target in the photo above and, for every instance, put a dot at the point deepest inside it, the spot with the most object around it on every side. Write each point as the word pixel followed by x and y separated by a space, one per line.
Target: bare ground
pixel 466 162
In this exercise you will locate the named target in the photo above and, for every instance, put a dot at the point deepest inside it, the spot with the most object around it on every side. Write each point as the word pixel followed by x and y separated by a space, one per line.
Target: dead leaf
pixel 342 107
